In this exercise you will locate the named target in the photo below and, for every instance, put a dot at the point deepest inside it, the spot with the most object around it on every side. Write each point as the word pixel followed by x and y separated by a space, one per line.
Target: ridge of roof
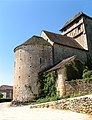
pixel 63 40
pixel 79 14
pixel 6 87
pixel 36 40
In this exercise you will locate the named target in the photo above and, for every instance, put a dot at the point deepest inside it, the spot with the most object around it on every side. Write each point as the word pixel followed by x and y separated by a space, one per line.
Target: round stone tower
pixel 31 57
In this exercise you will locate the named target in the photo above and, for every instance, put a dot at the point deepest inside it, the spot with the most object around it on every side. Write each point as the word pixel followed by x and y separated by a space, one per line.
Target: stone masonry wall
pixel 88 28
pixel 29 61
pixel 80 104
pixel 78 87
pixel 63 52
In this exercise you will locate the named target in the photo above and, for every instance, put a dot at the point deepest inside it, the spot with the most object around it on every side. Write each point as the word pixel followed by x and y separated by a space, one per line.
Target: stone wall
pixel 29 61
pixel 78 87
pixel 81 105
pixel 88 31
pixel 63 52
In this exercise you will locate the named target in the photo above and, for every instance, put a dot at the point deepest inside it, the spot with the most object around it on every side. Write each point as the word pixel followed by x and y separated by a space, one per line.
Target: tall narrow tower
pixel 80 28
pixel 31 57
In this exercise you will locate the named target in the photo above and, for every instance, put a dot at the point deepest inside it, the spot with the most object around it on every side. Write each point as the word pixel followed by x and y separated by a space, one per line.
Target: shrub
pixel 47 84
pixel 87 73
pixel 46 99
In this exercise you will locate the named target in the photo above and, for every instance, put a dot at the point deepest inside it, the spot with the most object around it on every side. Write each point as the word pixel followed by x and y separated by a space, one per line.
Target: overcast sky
pixel 21 19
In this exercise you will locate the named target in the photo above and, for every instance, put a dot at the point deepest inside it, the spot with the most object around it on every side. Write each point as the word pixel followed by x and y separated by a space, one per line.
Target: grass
pixel 47 99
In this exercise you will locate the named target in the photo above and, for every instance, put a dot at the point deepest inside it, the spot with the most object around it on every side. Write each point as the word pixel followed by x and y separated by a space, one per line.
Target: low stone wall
pixel 81 105
pixel 78 87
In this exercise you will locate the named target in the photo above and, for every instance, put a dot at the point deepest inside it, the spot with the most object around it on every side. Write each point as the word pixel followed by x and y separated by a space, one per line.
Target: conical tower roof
pixel 34 40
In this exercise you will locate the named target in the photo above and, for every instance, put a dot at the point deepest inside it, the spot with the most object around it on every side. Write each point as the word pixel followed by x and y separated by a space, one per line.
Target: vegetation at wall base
pixel 47 88
pixel 46 99
pixel 47 84
pixel 87 74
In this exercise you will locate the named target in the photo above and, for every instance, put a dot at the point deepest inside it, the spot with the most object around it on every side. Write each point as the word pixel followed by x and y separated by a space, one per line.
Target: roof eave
pixel 81 14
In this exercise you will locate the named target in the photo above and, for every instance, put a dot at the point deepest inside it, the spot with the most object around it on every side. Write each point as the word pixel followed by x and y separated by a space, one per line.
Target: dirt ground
pixel 25 113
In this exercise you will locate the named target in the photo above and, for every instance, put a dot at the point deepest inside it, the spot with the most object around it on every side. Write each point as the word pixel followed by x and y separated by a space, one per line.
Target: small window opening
pixel 65 29
pixel 78 28
pixel 40 60
pixel 77 21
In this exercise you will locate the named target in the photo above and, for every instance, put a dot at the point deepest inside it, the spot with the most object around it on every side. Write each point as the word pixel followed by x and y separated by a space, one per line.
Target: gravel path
pixel 25 113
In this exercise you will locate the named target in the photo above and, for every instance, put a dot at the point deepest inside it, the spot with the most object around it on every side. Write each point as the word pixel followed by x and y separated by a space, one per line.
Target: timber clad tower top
pixel 41 53
pixel 77 29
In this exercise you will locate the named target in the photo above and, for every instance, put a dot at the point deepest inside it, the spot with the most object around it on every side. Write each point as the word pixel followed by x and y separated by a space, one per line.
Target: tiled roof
pixel 35 40
pixel 60 64
pixel 74 18
pixel 63 40
pixel 6 87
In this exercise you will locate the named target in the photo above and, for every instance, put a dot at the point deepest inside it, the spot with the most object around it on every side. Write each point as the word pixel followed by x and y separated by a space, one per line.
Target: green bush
pixel 47 88
pixel 87 73
pixel 47 84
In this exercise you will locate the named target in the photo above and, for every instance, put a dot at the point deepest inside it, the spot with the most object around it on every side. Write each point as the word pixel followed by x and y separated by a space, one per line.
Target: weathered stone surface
pixel 68 69
pixel 29 61
pixel 78 87
pixel 40 53
pixel 81 105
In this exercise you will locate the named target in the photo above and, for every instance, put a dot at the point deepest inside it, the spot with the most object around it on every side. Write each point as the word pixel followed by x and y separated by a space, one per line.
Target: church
pixel 44 52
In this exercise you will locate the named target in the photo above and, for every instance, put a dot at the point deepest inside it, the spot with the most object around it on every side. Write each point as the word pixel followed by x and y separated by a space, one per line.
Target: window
pixel 40 61
pixel 64 29
pixel 79 28
pixel 77 21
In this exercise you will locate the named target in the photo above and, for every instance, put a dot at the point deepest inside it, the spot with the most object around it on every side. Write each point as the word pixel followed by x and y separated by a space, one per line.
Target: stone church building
pixel 44 52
